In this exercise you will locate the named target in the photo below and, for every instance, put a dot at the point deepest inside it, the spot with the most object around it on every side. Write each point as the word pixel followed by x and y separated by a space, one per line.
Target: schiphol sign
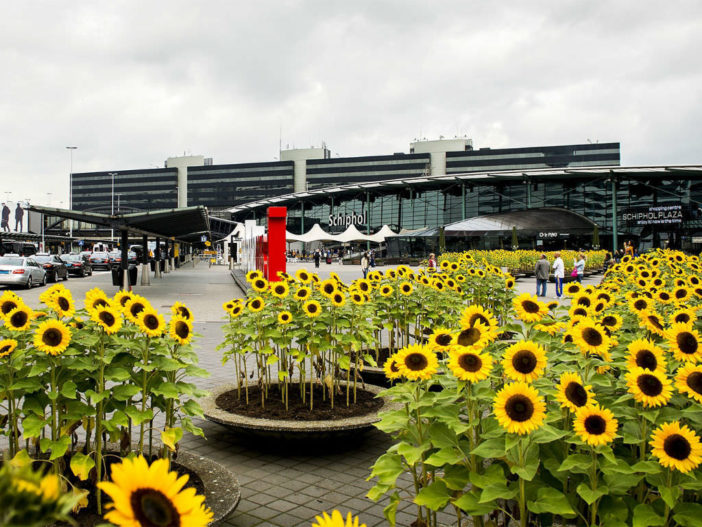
pixel 654 215
pixel 346 220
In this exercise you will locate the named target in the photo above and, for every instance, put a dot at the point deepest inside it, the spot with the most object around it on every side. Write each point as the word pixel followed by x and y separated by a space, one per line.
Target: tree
pixel 515 240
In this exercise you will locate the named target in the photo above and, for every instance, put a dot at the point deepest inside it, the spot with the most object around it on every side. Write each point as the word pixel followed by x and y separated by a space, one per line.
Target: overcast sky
pixel 131 83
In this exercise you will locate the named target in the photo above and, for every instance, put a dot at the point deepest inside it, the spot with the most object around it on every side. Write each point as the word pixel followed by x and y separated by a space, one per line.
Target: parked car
pixel 20 270
pixel 53 265
pixel 78 264
pixel 116 257
pixel 100 259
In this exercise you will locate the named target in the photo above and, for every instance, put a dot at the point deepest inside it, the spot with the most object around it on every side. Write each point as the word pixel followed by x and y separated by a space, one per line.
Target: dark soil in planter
pixel 297 409
pixel 88 516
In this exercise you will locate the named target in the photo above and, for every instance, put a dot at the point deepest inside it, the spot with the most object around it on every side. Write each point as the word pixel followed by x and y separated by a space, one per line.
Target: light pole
pixel 112 231
pixel 70 188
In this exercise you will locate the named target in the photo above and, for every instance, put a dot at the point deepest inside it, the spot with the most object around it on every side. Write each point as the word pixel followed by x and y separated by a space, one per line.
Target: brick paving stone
pixel 282 505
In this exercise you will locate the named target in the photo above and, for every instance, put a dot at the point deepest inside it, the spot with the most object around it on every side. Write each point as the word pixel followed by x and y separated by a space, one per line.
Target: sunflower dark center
pixel 650 385
pixel 687 343
pixel 329 289
pixel 470 362
pixel 19 319
pixel 63 303
pixel 416 361
pixel 524 361
pixel 338 298
pixel 393 367
pixel 312 308
pixel 260 284
pixel 279 289
pixel 443 339
pixel 136 308
pixel 592 337
pixel 576 394
pixel 595 425
pixel 677 447
pixel 256 304
pixel 664 296
pixel 477 317
pixel 107 317
pixel 7 347
pixel 646 359
pixel 100 302
pixel 682 318
pixel 584 301
pixel 123 301
pixel 364 287
pixel 680 293
pixel 609 320
pixel 519 408
pixel 151 321
pixel 694 381
pixel 640 304
pixel 468 337
pixel 182 329
pixel 153 509
pixel 406 288
pixel 184 312
pixel 8 306
pixel 52 337
pixel 655 322
pixel 580 311
pixel 530 306
pixel 568 338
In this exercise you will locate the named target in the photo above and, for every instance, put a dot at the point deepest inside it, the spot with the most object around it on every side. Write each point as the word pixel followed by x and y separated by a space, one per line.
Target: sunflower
pixel 385 290
pixel 572 393
pixel 182 310
pixel 528 308
pixel 438 285
pixel 108 318
pixel 572 288
pixel 236 310
pixel 284 317
pixel 152 495
pixel 328 287
pixel 151 323
pixel 303 276
pixel 509 283
pixel 417 361
pixel 643 353
pixel 651 388
pixel 441 338
pixel 684 342
pixel 228 305
pixel 611 322
pixel 259 284
pixel 363 285
pixel 473 314
pixel 688 380
pixel 256 304
pixel 663 297
pixel 581 299
pixel 552 328
pixel 524 361
pixel 180 329
pixel 312 308
pixel 95 298
pixel 676 446
pixel 652 321
pixel 19 318
pixel 681 294
pixel 135 306
pixel 337 520
pixel 52 337
pixel 591 337
pixel 578 311
pixel 639 304
pixel 279 289
pixel 7 346
pixel 8 302
pixel 595 425
pixel 405 288
pixel 302 293
pixel 469 365
pixel 519 409
pixel 121 298
pixel 338 299
pixel 391 369
pixel 45 297
pixel 252 275
pixel 683 316
pixel 476 337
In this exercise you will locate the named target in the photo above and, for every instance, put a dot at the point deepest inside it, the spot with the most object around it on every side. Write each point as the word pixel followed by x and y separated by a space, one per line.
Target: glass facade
pixel 344 171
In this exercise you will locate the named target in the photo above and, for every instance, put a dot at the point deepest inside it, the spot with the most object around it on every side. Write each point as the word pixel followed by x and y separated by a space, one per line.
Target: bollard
pixel 166 269
pixel 145 274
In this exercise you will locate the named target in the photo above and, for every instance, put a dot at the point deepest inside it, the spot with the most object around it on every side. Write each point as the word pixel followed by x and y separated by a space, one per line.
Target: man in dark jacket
pixel 5 218
pixel 542 270
pixel 19 216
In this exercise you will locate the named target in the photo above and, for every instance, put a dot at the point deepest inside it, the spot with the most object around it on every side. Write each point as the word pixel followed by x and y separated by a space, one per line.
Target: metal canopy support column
pixel 157 259
pixel 125 259
pixel 166 262
pixel 615 227
pixel 368 219
pixel 171 254
pixel 145 271
pixel 302 217
pixel 463 201
pixel 528 193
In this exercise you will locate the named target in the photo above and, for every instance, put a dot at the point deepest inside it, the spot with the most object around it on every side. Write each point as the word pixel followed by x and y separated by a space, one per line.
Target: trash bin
pixel 118 274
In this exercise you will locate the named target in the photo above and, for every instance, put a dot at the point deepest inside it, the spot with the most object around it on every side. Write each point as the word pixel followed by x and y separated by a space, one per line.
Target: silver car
pixel 20 270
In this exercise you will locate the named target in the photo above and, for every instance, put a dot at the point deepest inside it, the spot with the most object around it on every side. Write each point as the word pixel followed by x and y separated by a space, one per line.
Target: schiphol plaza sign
pixel 346 220
pixel 654 215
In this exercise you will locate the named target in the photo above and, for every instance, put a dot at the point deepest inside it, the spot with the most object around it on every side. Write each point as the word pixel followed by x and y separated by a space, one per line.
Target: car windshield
pixel 99 255
pixel 71 258
pixel 43 259
pixel 5 260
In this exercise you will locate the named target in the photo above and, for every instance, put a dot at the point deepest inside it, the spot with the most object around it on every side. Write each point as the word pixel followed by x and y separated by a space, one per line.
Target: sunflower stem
pixel 144 381
pixel 98 420
pixel 522 489
pixel 593 485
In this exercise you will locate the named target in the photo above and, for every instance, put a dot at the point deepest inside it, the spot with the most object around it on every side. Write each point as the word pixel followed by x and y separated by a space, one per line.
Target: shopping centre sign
pixel 654 215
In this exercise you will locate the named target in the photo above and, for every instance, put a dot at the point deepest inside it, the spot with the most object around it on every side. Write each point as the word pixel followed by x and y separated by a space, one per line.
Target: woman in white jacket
pixel 558 274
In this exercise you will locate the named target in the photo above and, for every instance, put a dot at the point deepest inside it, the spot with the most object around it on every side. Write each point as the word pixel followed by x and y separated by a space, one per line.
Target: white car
pixel 21 271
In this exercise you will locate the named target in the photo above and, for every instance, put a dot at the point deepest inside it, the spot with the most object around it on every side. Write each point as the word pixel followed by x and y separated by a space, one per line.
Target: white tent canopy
pixel 351 234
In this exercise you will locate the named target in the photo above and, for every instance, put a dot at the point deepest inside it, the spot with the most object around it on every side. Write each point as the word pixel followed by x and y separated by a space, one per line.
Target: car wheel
pixel 43 280
pixel 82 273
pixel 66 277
pixel 28 285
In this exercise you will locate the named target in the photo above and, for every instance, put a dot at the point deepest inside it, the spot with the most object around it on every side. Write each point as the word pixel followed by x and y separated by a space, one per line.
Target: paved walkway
pixel 279 489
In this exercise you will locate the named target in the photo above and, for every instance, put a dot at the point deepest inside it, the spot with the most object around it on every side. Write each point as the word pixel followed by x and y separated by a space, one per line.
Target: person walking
pixel 558 274
pixel 541 270
pixel 317 258
pixel 5 218
pixel 365 264
pixel 580 267
pixel 431 264
pixel 19 216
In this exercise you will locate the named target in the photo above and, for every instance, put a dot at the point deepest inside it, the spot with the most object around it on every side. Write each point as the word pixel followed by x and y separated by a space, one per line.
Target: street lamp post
pixel 112 208
pixel 70 188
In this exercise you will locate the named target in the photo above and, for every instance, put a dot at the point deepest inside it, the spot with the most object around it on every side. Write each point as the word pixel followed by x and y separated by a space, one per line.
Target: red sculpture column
pixel 277 223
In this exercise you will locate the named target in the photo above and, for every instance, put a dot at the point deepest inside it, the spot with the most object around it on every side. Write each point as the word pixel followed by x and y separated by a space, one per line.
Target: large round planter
pixel 293 430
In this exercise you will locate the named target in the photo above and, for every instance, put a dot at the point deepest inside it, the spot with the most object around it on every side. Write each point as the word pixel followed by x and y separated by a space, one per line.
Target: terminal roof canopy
pixel 550 219
pixel 184 224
